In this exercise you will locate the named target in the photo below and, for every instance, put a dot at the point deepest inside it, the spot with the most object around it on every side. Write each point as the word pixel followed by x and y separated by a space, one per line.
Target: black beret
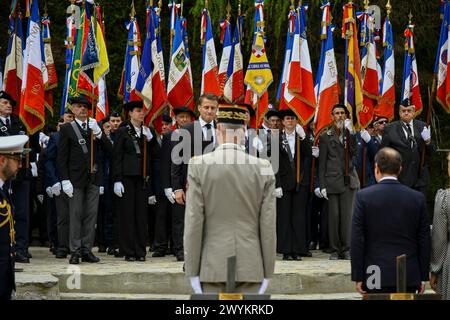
pixel 182 109
pixel 287 113
pixel 81 99
pixel 166 118
pixel 130 106
pixel 5 95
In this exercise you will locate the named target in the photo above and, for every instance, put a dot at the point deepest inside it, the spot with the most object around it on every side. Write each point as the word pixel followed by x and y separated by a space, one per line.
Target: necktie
pixel 83 125
pixel 410 135
pixel 209 135
pixel 8 123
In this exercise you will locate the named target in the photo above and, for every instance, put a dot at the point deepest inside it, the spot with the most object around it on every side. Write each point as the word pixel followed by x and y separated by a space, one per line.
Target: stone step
pixel 124 296
pixel 36 287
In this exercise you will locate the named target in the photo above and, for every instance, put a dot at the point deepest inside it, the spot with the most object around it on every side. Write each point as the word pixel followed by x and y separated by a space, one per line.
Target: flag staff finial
pixel 366 4
pixel 410 16
pixel 133 10
pixel 206 4
pixel 151 3
pixel 388 8
pixel 239 8
pixel 181 8
pixel 228 10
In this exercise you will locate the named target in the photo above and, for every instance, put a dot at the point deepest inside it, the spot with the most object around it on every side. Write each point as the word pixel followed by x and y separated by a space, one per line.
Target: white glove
pixel 67 188
pixel 257 144
pixel 195 284
pixel 365 136
pixel 146 132
pixel 119 189
pixel 101 191
pixel 264 286
pixel 278 193
pixel 49 192
pixel 318 193
pixel 426 134
pixel 56 189
pixel 349 125
pixel 315 151
pixel 95 128
pixel 40 198
pixel 152 200
pixel 34 170
pixel 300 131
pixel 43 139
pixel 324 193
pixel 170 195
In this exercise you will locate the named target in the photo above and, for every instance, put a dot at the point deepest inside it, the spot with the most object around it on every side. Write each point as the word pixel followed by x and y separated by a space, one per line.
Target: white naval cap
pixel 14 145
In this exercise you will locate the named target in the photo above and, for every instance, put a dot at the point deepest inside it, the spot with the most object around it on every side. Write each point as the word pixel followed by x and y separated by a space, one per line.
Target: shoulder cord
pixel 9 218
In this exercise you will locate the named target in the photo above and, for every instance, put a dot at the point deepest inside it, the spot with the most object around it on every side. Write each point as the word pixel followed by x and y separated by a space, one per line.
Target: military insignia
pixel 180 60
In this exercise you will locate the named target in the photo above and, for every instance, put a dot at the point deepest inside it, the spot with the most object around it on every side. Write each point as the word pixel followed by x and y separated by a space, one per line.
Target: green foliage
pixel 116 13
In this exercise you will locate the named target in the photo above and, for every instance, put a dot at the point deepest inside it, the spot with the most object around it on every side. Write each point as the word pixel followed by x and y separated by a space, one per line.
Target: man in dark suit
pixel 11 153
pixel 292 182
pixel 81 176
pixel 409 137
pixel 389 220
pixel 338 179
pixel 10 124
pixel 196 138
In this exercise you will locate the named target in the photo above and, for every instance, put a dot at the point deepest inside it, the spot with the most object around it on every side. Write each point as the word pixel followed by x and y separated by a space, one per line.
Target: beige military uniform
pixel 230 211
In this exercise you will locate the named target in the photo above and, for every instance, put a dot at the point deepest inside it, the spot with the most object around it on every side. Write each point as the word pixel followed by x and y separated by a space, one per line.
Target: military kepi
pixel 5 95
pixel 232 114
pixel 14 145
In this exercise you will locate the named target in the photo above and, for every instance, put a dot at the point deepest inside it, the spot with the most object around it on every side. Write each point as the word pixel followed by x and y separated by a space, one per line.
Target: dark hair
pixel 208 96
pixel 115 114
pixel 389 161
pixel 61 120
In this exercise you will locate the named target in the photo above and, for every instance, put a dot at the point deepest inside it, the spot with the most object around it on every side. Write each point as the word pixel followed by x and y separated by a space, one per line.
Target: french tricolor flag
pixel 410 87
pixel 32 110
pixel 227 55
pixel 442 62
pixel 385 107
pixel 234 90
pixel 327 83
pixel 210 78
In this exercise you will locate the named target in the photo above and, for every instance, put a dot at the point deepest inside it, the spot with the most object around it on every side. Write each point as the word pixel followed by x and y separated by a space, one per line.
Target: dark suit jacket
pixel 390 219
pixel 332 162
pixel 191 143
pixel 7 283
pixel 156 164
pixel 166 161
pixel 73 164
pixel 395 138
pixel 286 177
pixel 51 155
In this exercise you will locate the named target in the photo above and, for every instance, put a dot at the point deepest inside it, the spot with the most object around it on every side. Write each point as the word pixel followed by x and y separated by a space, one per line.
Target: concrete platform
pixel 163 278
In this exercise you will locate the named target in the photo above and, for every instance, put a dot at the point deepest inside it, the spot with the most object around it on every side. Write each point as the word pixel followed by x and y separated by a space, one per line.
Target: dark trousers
pixel 38 216
pixel 178 228
pixel 160 212
pixel 83 207
pixel 105 220
pixel 52 225
pixel 319 222
pixel 340 219
pixel 63 221
pixel 291 222
pixel 21 201
pixel 6 275
pixel 390 290
pixel 133 218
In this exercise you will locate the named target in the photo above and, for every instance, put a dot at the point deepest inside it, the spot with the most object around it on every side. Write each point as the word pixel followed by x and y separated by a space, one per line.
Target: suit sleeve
pixel 106 145
pixel 165 162
pixel 357 240
pixel 267 225
pixel 117 158
pixel 41 182
pixel 63 153
pixel 385 141
pixel 195 216
pixel 323 156
pixel 176 169
pixel 50 161
pixel 372 149
pixel 439 236
pixel 424 241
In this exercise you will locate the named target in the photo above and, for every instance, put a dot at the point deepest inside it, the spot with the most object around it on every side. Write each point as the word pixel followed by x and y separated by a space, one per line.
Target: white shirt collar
pixel 389 178
pixel 203 122
pixel 4 119
pixel 410 123
pixel 289 134
pixel 81 122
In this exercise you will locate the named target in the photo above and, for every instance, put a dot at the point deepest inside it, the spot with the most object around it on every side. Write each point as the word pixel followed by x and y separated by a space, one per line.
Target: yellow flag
pixel 259 75
pixel 103 67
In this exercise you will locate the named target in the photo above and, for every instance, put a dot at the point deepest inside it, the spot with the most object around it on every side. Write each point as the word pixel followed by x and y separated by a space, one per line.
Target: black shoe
pixel 345 255
pixel 296 257
pixel 313 246
pixel 117 254
pixel 22 257
pixel 140 259
pixel 89 257
pixel 158 254
pixel 74 258
pixel 28 254
pixel 334 256
pixel 101 249
pixel 287 257
pixel 180 257
pixel 327 250
pixel 60 254
pixel 307 254
pixel 130 259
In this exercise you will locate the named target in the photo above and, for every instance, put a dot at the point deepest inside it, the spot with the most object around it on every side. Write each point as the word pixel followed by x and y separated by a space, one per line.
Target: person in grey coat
pixel 338 179
pixel 440 248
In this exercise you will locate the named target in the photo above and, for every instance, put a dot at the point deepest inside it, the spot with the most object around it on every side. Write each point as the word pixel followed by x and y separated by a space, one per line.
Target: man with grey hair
pixel 410 137
pixel 230 211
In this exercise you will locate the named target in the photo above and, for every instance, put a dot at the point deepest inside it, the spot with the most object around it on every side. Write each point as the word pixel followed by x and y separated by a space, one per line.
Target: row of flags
pixel 29 71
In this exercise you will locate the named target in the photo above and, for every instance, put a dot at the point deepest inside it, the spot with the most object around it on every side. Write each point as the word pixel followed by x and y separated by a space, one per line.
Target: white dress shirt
pixel 80 123
pixel 389 178
pixel 404 128
pixel 290 137
pixel 204 129
pixel 4 120
pixel 138 131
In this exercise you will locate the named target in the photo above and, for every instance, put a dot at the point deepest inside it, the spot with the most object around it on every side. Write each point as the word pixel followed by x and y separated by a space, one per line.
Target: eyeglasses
pixel 382 122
